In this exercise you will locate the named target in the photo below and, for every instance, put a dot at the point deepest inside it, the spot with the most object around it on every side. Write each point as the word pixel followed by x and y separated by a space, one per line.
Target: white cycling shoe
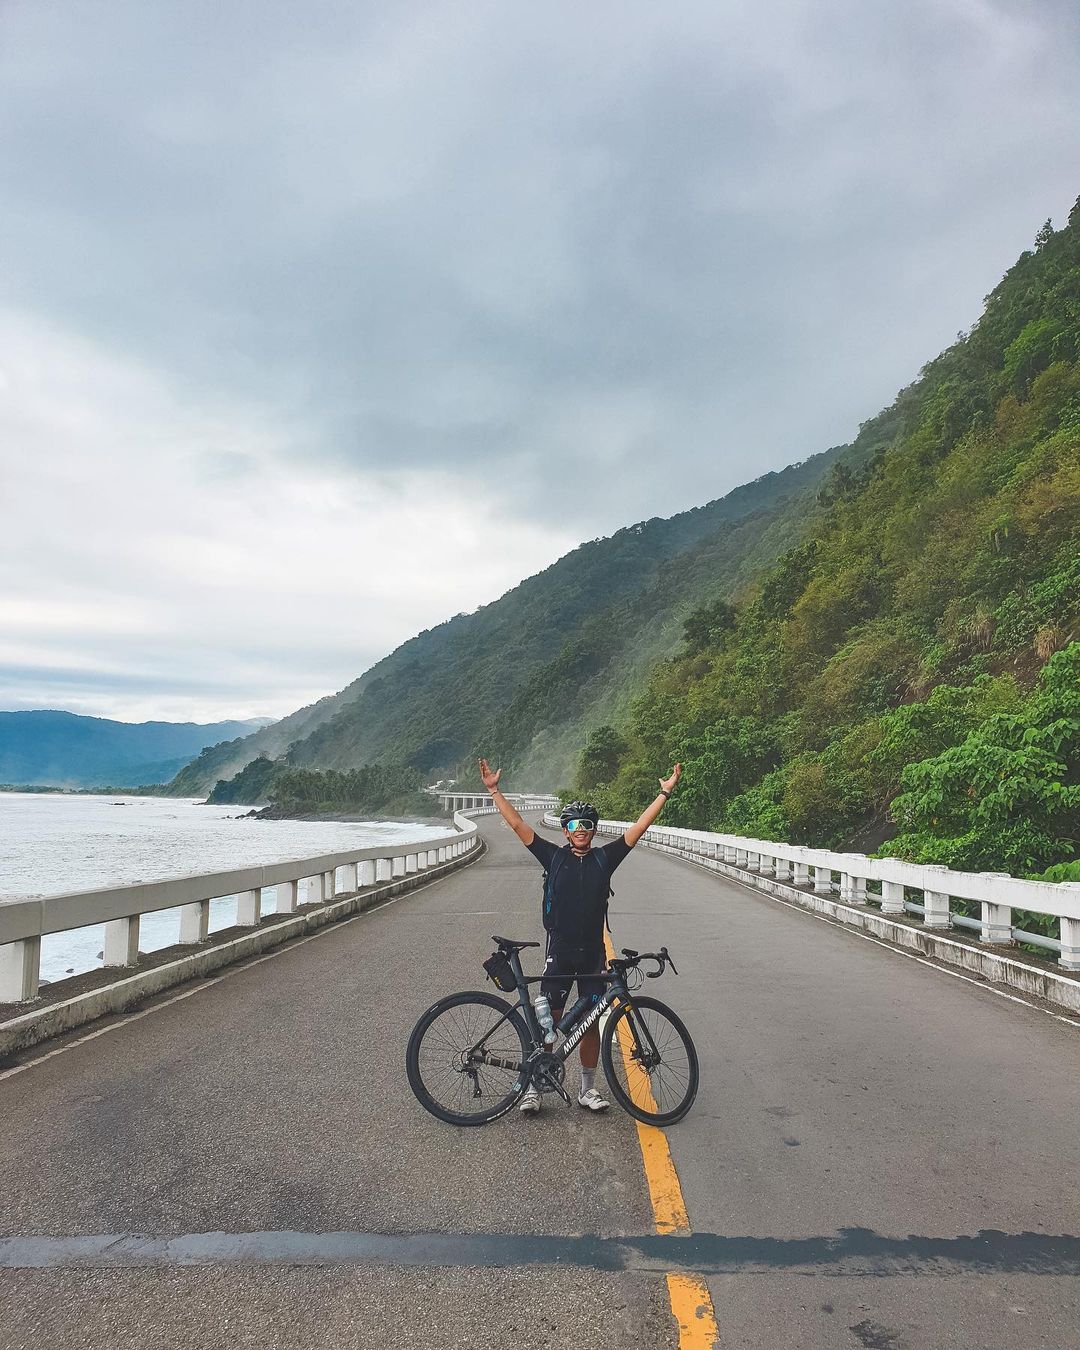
pixel 592 1101
pixel 530 1102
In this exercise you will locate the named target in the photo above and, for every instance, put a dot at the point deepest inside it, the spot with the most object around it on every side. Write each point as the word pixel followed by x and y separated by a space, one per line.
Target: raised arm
pixel 490 778
pixel 667 787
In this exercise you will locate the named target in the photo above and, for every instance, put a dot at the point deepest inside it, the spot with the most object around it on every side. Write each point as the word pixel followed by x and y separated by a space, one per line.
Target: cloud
pixel 142 550
pixel 488 272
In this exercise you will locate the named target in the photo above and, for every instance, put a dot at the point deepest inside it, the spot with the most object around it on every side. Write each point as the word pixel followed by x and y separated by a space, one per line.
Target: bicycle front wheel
pixel 650 1061
pixel 464 1058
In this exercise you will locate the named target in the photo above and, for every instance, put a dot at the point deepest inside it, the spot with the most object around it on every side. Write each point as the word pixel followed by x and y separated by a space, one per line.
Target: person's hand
pixel 668 784
pixel 489 777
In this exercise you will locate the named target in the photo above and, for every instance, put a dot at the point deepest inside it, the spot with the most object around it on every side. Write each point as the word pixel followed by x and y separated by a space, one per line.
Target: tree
pixel 706 626
pixel 599 762
pixel 1045 235
pixel 1009 795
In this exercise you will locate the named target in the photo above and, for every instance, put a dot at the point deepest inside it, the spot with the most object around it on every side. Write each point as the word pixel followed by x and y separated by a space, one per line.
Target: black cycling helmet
pixel 578 811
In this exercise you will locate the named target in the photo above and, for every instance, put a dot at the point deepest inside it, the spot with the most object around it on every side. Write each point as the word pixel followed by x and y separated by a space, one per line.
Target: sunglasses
pixel 572 825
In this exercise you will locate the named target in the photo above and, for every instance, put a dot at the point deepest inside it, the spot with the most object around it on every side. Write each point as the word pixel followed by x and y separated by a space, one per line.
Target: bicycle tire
pixel 664 1093
pixel 440 1083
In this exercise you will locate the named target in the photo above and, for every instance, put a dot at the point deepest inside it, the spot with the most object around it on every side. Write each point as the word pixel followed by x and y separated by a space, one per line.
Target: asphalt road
pixel 844 1087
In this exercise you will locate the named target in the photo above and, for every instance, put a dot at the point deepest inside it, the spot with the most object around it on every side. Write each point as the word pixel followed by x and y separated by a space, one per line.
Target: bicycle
pixel 472 1055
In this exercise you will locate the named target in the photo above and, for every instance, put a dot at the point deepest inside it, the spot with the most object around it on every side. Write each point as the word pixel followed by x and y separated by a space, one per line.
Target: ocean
pixel 52 843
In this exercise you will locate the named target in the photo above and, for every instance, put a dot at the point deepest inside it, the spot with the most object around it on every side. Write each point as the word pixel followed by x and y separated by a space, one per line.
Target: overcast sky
pixel 322 323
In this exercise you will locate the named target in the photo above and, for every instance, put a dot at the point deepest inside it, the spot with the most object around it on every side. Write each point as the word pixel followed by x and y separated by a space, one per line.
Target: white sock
pixel 588 1078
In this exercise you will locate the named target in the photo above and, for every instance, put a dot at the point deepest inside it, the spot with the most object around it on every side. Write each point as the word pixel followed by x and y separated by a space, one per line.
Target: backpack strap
pixel 549 888
pixel 602 860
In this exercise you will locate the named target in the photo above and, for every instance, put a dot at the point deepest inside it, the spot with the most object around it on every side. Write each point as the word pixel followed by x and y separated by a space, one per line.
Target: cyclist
pixel 576 894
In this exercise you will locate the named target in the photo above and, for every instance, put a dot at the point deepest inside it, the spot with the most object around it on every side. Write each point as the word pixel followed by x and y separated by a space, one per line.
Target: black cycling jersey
pixel 579 887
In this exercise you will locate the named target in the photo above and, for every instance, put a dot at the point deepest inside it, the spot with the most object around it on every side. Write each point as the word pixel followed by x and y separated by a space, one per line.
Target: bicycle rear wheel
pixel 650 1061
pixel 464 1058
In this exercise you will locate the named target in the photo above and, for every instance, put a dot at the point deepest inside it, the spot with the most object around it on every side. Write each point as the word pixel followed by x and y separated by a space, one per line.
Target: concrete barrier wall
pixel 23 923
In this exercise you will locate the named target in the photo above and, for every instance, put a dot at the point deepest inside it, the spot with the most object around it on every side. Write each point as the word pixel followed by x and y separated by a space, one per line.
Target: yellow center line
pixel 691 1303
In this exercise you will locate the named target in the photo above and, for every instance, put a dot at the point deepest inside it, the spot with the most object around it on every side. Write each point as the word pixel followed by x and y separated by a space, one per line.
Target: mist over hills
pixel 47 747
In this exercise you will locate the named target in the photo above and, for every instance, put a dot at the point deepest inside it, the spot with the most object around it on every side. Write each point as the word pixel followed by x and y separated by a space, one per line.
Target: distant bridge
pixel 453 800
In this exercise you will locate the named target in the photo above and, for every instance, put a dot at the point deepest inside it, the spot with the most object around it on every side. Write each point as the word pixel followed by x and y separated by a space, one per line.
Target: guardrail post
pixel 1070 941
pixel 753 862
pixel 852 885
pixel 422 860
pixel 740 856
pixel 411 864
pixel 314 889
pixel 996 919
pixel 442 855
pixel 397 866
pixel 350 880
pixel 433 857
pixel 936 911
pixel 822 880
pixel 730 854
pixel 287 896
pixel 996 923
pixel 781 869
pixel 365 873
pixel 122 941
pixel 892 897
pixel 384 869
pixel 248 908
pixel 329 885
pixel 195 921
pixel 20 970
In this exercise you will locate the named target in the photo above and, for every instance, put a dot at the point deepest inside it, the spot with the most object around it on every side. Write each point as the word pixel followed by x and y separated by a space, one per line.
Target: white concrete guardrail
pixel 23 923
pixel 888 883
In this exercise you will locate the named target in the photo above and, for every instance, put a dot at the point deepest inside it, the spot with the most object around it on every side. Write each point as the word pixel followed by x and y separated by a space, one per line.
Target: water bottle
pixel 543 1016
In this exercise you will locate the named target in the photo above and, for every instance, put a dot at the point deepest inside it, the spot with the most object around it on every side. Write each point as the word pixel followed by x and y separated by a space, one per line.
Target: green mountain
pixel 524 677
pixel 919 643
pixel 63 749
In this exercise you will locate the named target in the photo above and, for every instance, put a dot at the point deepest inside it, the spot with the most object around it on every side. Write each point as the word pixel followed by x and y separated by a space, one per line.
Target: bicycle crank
pixel 547 1074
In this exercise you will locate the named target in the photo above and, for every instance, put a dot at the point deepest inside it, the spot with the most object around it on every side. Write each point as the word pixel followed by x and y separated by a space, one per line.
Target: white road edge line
pixel 209 983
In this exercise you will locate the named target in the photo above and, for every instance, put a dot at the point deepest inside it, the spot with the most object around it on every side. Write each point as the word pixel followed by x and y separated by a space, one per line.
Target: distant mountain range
pixel 61 749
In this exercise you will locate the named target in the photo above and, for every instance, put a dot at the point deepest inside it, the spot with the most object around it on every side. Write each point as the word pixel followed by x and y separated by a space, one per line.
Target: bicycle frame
pixel 617 989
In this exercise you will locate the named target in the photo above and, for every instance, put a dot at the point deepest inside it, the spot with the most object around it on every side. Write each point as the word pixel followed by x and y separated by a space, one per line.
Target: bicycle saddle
pixel 509 942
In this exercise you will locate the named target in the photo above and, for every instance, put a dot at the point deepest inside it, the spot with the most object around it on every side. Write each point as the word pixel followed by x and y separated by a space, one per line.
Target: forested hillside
pixel 920 639
pixel 565 647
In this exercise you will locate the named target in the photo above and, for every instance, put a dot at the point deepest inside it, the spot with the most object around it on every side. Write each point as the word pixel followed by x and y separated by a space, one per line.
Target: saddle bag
pixel 500 972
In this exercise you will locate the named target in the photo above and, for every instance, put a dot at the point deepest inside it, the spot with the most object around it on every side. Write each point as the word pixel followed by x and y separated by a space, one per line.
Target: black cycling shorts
pixel 562 968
